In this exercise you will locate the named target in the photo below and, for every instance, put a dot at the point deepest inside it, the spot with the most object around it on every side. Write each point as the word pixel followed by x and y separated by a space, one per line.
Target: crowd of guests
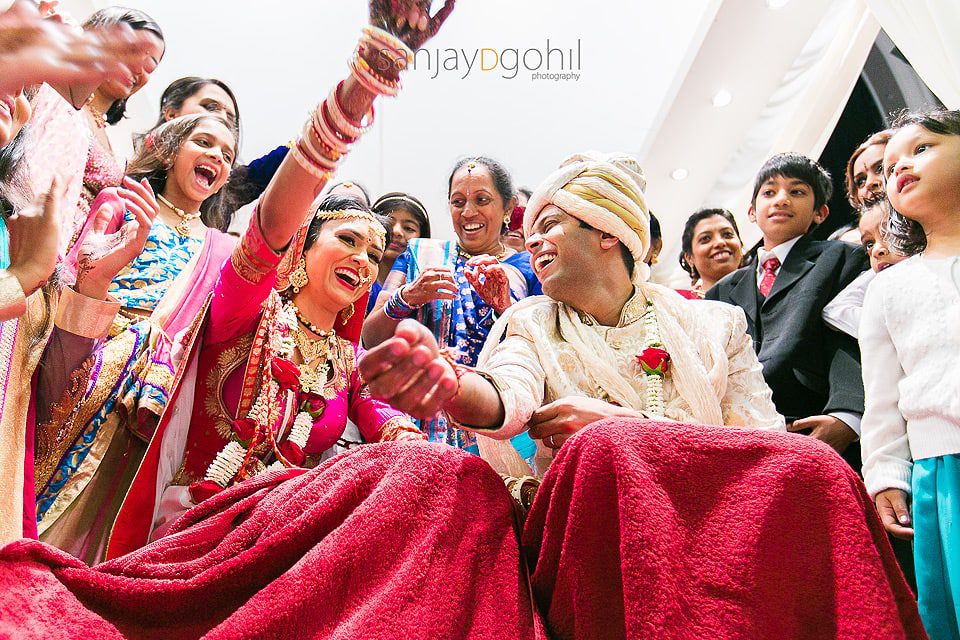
pixel 151 360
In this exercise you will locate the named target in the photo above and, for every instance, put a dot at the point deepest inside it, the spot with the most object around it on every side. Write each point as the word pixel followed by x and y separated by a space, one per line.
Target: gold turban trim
pixel 606 192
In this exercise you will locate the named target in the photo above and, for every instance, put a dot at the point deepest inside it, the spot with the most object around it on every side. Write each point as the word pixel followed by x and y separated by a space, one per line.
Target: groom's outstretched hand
pixel 408 372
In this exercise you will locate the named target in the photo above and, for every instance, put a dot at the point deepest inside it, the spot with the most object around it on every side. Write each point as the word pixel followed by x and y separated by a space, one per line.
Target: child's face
pixel 203 162
pixel 922 170
pixel 880 254
pixel 784 209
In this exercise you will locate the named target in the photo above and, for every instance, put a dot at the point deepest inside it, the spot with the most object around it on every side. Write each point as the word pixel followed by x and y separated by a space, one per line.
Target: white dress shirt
pixel 780 252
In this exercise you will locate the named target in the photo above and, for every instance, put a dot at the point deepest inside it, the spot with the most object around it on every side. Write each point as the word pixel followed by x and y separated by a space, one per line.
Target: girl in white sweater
pixel 910 345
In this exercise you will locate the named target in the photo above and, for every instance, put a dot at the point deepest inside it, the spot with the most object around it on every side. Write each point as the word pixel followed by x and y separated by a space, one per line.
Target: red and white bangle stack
pixel 329 132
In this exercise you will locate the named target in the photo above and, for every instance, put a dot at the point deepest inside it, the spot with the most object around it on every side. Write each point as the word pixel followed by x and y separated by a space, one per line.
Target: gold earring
pixel 506 220
pixel 298 279
pixel 347 313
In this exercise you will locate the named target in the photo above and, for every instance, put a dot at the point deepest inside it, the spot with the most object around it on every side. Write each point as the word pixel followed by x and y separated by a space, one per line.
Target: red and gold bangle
pixel 388 40
pixel 369 78
pixel 308 165
pixel 362 79
pixel 326 134
pixel 322 118
pixel 318 160
pixel 321 149
pixel 347 125
pixel 316 157
pixel 389 83
pixel 325 149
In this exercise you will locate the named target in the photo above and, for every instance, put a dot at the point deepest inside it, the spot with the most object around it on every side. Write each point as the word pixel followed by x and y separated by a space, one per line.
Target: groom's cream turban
pixel 606 192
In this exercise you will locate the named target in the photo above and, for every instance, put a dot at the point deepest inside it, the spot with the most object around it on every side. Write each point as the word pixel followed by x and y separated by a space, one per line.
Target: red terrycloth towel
pixel 654 530
pixel 399 540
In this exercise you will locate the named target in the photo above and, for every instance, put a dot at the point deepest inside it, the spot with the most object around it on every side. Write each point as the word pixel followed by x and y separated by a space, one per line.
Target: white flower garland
pixel 227 462
pixel 653 396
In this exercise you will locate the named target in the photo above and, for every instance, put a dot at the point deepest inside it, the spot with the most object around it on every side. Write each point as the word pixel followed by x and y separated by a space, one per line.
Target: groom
pixel 575 350
pixel 642 525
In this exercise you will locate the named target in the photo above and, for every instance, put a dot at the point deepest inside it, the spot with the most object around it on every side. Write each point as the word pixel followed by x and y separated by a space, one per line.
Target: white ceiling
pixel 647 74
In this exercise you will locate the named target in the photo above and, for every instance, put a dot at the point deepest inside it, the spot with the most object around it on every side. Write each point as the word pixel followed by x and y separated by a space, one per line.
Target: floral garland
pixel 235 462
pixel 654 361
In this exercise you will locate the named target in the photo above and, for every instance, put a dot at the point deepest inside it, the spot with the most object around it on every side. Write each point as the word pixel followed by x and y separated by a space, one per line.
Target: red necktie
pixel 770 267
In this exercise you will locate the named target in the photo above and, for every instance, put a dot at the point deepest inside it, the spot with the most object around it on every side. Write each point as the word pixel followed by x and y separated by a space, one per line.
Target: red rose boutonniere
pixel 285 373
pixel 654 360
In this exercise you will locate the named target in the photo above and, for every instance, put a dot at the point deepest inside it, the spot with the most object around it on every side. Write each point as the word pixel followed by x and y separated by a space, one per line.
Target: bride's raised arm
pixel 397 27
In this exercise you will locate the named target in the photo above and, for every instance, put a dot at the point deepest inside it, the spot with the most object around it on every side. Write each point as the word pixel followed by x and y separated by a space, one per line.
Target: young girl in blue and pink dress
pixel 910 343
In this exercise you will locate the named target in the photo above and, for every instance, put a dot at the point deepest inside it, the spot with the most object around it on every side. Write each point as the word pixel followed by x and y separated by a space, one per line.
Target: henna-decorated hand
pixel 489 279
pixel 408 371
pixel 102 255
pixel 433 283
pixel 34 238
pixel 409 20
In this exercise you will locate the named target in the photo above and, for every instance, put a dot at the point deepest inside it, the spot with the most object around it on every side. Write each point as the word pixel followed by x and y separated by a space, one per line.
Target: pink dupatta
pixel 188 292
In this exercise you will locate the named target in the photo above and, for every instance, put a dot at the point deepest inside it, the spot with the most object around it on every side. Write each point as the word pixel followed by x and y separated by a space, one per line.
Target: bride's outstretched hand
pixel 409 20
pixel 408 371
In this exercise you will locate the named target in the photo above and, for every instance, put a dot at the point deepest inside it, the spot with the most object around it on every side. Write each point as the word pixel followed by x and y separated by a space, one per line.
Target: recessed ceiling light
pixel 680 174
pixel 722 98
pixel 776 4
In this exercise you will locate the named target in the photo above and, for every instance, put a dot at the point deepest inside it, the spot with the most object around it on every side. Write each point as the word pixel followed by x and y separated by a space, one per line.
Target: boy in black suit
pixel 814 372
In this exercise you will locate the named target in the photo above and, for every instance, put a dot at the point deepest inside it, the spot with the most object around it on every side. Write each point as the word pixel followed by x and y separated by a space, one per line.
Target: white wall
pixel 281 58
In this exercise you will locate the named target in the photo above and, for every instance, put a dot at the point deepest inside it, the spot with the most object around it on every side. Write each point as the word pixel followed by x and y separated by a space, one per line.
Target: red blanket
pixel 652 530
pixel 389 541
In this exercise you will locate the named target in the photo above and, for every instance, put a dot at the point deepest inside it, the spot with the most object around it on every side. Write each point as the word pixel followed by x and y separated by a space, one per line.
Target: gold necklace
pixel 98 116
pixel 318 356
pixel 182 227
pixel 498 256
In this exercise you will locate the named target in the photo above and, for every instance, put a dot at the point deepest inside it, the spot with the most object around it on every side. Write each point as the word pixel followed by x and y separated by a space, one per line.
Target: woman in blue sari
pixel 458 288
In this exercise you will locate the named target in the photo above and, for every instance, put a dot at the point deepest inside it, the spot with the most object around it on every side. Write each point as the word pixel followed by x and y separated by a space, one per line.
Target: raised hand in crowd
pixel 103 255
pixel 34 49
pixel 34 236
pixel 409 20
pixel 488 277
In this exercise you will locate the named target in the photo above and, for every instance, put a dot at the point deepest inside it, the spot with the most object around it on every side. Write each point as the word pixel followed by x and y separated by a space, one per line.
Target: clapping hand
pixel 489 279
pixel 102 255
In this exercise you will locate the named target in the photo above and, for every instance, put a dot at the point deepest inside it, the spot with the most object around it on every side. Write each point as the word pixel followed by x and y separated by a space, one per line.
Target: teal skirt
pixel 936 543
